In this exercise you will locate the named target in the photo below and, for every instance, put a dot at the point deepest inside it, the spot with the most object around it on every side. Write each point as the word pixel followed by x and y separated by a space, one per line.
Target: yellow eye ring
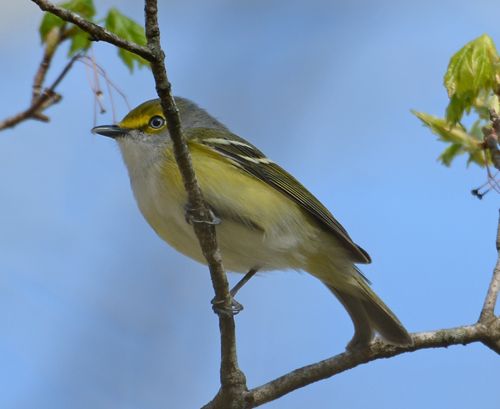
pixel 157 122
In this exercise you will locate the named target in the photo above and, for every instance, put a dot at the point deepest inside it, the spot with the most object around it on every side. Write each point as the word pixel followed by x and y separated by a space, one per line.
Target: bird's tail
pixel 368 312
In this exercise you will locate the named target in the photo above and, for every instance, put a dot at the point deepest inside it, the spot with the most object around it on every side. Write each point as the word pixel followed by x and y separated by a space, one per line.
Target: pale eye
pixel 157 122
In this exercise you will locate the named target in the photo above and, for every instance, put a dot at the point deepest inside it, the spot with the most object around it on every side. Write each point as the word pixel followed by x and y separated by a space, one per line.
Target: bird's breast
pixel 259 228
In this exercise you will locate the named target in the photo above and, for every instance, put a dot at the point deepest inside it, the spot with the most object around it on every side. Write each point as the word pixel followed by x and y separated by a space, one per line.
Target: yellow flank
pixel 234 191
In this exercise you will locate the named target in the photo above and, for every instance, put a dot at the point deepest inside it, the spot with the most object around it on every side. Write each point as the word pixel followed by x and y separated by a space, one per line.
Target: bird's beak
pixel 113 131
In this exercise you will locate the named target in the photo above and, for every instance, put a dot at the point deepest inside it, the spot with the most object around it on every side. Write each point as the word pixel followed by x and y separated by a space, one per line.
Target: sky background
pixel 97 312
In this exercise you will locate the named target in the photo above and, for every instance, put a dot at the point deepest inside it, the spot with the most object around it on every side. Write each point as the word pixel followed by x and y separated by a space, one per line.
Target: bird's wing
pixel 250 159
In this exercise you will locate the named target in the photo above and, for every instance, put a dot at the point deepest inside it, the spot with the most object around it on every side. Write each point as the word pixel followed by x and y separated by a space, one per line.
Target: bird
pixel 267 220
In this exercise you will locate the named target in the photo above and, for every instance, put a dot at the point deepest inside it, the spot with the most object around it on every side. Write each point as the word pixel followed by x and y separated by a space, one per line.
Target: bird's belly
pixel 241 248
pixel 275 236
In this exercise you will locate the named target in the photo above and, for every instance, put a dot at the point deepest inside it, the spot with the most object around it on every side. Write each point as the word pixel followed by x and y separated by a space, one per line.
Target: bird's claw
pixel 191 218
pixel 220 308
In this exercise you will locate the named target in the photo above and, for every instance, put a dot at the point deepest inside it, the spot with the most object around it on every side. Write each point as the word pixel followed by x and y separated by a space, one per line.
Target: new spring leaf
pixel 460 140
pixel 84 8
pixel 129 30
pixel 471 70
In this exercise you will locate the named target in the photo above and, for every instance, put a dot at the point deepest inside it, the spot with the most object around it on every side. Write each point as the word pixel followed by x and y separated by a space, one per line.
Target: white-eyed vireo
pixel 268 220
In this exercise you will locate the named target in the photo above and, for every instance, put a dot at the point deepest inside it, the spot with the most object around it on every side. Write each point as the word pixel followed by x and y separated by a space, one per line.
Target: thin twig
pixel 325 369
pixel 53 40
pixel 488 311
pixel 97 32
pixel 233 382
pixel 205 231
pixel 92 66
pixel 233 391
pixel 486 330
pixel 47 98
pixel 96 87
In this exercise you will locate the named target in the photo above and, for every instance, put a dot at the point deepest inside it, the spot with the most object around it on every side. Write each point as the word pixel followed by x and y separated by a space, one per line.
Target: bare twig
pixel 42 70
pixel 97 32
pixel 486 330
pixel 321 370
pixel 45 99
pixel 52 42
pixel 40 102
pixel 233 393
pixel 233 382
pixel 488 311
pixel 92 67
pixel 232 379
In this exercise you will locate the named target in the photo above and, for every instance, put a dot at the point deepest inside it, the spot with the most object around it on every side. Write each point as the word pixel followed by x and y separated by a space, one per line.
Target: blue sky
pixel 96 311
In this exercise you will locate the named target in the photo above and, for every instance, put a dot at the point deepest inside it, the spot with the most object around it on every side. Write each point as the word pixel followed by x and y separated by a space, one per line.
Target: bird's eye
pixel 157 122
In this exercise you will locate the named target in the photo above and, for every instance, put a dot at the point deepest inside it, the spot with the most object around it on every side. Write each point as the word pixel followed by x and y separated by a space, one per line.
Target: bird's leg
pixel 243 281
pixel 235 307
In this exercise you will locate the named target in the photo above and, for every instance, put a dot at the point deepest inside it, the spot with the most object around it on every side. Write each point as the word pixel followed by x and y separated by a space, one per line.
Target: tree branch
pixel 486 330
pixel 54 38
pixel 488 311
pixel 97 33
pixel 233 381
pixel 40 100
pixel 329 367
pixel 233 393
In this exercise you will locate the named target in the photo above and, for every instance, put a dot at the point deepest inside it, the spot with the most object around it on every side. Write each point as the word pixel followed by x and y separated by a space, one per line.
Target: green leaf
pixel 84 8
pixel 484 104
pixel 446 131
pixel 49 21
pixel 471 70
pixel 461 141
pixel 79 41
pixel 129 30
pixel 450 153
pixel 493 104
pixel 456 109
pixel 476 130
pixel 477 157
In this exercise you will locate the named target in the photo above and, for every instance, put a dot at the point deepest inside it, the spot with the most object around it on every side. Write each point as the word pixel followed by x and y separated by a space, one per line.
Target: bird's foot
pixel 220 308
pixel 192 218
